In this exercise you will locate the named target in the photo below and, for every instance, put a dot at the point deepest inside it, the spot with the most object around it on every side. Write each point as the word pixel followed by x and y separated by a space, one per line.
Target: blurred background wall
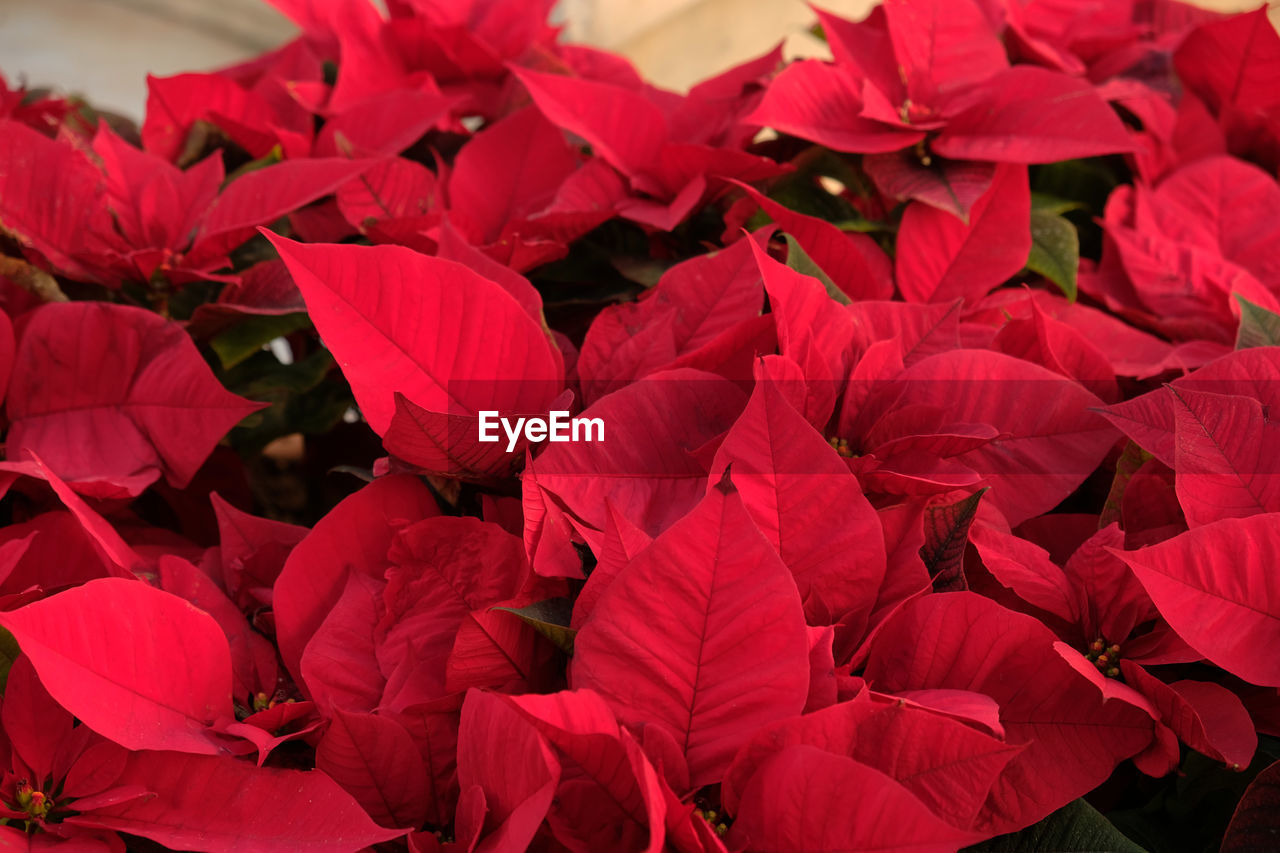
pixel 103 49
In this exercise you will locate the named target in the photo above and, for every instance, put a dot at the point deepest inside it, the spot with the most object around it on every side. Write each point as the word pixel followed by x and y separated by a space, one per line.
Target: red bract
pixel 930 480
pixel 961 641
pixel 128 397
pixel 157 695
pixel 726 655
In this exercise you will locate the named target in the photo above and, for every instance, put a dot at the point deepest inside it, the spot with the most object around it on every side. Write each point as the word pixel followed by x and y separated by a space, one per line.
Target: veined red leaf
pixel 1031 115
pixel 155 689
pixel 790 480
pixel 942 258
pixel 951 186
pixel 500 752
pixel 802 798
pixel 648 466
pixel 855 263
pixel 48 198
pixel 1041 451
pixel 948 764
pixel 442 570
pixel 253 657
pixel 723 653
pixel 507 172
pixel 943 45
pixel 822 103
pixel 1226 456
pixel 619 124
pixel 394 188
pixel 104 391
pixel 946 535
pixel 1216 586
pixel 263 196
pixel 213 803
pixel 616 794
pixel 448 339
pixel 1232 63
pixel 1207 717
pixel 1073 740
pixel 374 759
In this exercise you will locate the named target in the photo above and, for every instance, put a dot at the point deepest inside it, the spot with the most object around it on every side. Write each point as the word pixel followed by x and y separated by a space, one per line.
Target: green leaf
pixel 1055 250
pixel 946 533
pixel 1075 828
pixel 1258 326
pixel 549 618
pixel 249 336
pixel 9 652
pixel 798 259
pixel 1053 204
pixel 1131 459
pixel 307 396
pixel 275 155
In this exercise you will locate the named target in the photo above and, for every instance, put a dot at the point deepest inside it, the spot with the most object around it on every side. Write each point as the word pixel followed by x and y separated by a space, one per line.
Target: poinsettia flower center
pixel 912 113
pixel 33 801
pixel 841 446
pixel 1105 656
pixel 922 153
pixel 719 823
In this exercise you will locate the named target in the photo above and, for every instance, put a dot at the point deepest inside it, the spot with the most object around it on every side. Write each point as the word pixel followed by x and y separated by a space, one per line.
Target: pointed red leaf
pixel 394 188
pixel 1233 63
pixel 814 331
pixel 943 45
pixel 447 338
pixel 38 729
pixel 252 551
pixel 212 803
pixel 941 258
pixel 1226 456
pixel 693 304
pixel 1043 451
pixel 501 753
pixel 263 196
pixel 1207 717
pixel 802 798
pixel 724 652
pixel 507 172
pixel 951 186
pixel 854 262
pixel 615 797
pixel 647 464
pixel 443 569
pixel 1216 586
pixel 962 641
pixel 48 198
pixel 127 393
pixel 374 759
pixel 619 124
pixel 152 689
pixel 948 764
pixel 1031 115
pixel 822 103
pixel 253 658
pixel 789 478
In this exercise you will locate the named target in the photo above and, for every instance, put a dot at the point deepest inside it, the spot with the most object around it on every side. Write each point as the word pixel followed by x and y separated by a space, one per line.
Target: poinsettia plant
pixel 431 436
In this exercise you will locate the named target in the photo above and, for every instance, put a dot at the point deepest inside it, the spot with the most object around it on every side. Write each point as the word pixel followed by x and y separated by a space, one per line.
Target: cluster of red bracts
pixel 915 515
